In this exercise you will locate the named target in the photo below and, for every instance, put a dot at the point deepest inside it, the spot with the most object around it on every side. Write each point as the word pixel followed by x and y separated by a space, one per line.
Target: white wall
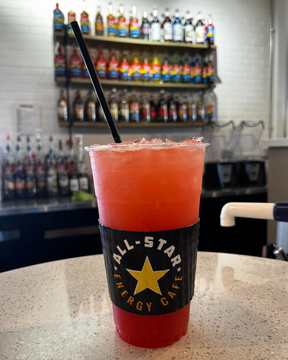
pixel 26 57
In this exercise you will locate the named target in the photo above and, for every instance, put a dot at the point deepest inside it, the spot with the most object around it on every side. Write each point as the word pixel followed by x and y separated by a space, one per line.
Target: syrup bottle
pixel 99 26
pixel 189 34
pixel 177 27
pixel 122 26
pixel 90 108
pixel 113 104
pixel 100 65
pixel 209 30
pixel 166 27
pixel 60 64
pixel 75 64
pixel 134 28
pixel 156 69
pixel 146 69
pixel 199 29
pixel 155 26
pixel 136 68
pixel 58 19
pixel 111 22
pixel 113 72
pixel 71 17
pixel 166 70
pixel 123 67
pixel 85 23
pixel 134 115
pixel 145 27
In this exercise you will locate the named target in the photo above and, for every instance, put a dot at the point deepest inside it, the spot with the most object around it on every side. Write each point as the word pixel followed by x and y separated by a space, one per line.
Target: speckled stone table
pixel 61 310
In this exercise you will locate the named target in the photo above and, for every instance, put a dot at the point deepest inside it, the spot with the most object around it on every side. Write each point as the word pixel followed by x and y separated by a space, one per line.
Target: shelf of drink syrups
pixel 129 124
pixel 139 84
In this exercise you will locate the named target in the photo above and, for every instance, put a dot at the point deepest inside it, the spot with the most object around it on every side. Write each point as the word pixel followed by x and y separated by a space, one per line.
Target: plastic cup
pixel 144 187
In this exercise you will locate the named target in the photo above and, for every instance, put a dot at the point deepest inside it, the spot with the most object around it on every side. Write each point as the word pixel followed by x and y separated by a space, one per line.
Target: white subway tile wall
pixel 27 55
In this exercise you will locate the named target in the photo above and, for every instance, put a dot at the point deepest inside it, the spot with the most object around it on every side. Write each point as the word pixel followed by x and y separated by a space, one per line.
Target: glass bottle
pixel 73 173
pixel 177 27
pixel 146 69
pixel 112 67
pixel 124 107
pixel 51 178
pixel 19 175
pixel 166 26
pixel 75 65
pixel 145 27
pixel 155 34
pixel 210 70
pixel 40 170
pixel 191 108
pixel 136 68
pixel 186 69
pixel 101 66
pixel 205 72
pixel 134 28
pixel 121 25
pixel 71 17
pixel 199 29
pixel 78 108
pixel 100 113
pixel 62 107
pixel 145 108
pixel 156 69
pixel 62 173
pixel 162 108
pixel 134 115
pixel 58 19
pixel 182 110
pixel 85 23
pixel 201 115
pixel 123 67
pixel 197 71
pixel 111 22
pixel 99 26
pixel 209 30
pixel 166 70
pixel 81 166
pixel 210 102
pixel 8 171
pixel 153 110
pixel 189 34
pixel 176 70
pixel 172 109
pixel 192 72
pixel 60 64
pixel 29 167
pixel 113 104
pixel 90 108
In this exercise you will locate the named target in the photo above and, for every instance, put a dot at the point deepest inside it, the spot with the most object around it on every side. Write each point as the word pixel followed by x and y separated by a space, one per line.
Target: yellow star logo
pixel 147 278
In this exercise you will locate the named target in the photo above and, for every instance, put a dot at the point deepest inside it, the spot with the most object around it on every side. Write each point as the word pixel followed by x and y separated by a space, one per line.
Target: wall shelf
pixel 139 84
pixel 129 41
pixel 137 125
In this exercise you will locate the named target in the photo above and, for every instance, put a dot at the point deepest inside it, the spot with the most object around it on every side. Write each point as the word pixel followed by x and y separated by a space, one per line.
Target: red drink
pixel 149 187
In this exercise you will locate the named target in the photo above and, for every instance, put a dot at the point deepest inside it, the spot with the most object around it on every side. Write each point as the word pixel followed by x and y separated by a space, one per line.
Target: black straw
pixel 95 82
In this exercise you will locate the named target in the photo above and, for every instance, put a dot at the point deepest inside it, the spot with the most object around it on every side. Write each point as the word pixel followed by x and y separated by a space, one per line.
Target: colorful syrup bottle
pixel 85 23
pixel 134 112
pixel 166 27
pixel 155 33
pixel 100 65
pixel 136 68
pixel 199 29
pixel 209 30
pixel 176 70
pixel 123 67
pixel 210 70
pixel 111 22
pixel 134 28
pixel 205 72
pixel 121 25
pixel 146 69
pixel 189 34
pixel 192 72
pixel 186 69
pixel 75 65
pixel 60 64
pixel 177 27
pixel 166 70
pixel 197 72
pixel 113 71
pixel 145 27
pixel 58 19
pixel 71 17
pixel 99 26
pixel 156 69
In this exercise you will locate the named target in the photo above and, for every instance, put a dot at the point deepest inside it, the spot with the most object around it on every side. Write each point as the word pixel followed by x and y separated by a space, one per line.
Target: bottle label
pixel 83 183
pixel 150 273
pixel 200 32
pixel 85 23
pixel 134 111
pixel 8 183
pixel 166 72
pixel 74 185
pixel 124 66
pixel 63 181
pixel 176 73
pixel 186 73
pixel 91 111
pixel 71 17
pixel 155 31
pixel 114 111
pixel 197 74
pixel 99 25
pixel 136 71
pixel 111 26
pixel 51 183
pixel 79 112
pixel 60 66
pixel 134 28
pixel 146 111
pixel 204 75
pixel 19 184
pixel 62 112
pixel 113 69
pixel 210 32
pixel 124 111
pixel 167 35
pixel 146 71
pixel 122 27
pixel 189 33
pixel 210 112
pixel 156 72
pixel 173 112
pixel 210 73
pixel 177 32
pixel 58 20
pixel 75 66
pixel 146 29
pixel 101 68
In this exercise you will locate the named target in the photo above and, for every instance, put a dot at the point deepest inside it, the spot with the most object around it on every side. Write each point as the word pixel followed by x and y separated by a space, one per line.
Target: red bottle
pixel 113 67
pixel 60 64
pixel 100 66
pixel 75 64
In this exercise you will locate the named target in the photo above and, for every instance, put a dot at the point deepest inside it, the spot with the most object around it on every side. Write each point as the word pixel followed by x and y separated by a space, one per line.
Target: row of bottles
pixel 34 174
pixel 176 28
pixel 136 108
pixel 178 70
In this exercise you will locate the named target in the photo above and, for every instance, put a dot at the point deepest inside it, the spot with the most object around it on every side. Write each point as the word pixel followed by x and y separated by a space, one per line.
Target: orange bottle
pixel 136 68
pixel 111 22
pixel 156 69
pixel 113 67
pixel 75 64
pixel 100 65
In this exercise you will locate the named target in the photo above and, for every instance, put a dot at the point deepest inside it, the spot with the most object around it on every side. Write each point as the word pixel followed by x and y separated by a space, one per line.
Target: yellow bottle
pixel 156 69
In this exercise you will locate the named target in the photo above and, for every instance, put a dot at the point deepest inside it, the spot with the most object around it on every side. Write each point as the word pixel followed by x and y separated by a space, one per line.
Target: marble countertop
pixel 61 310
